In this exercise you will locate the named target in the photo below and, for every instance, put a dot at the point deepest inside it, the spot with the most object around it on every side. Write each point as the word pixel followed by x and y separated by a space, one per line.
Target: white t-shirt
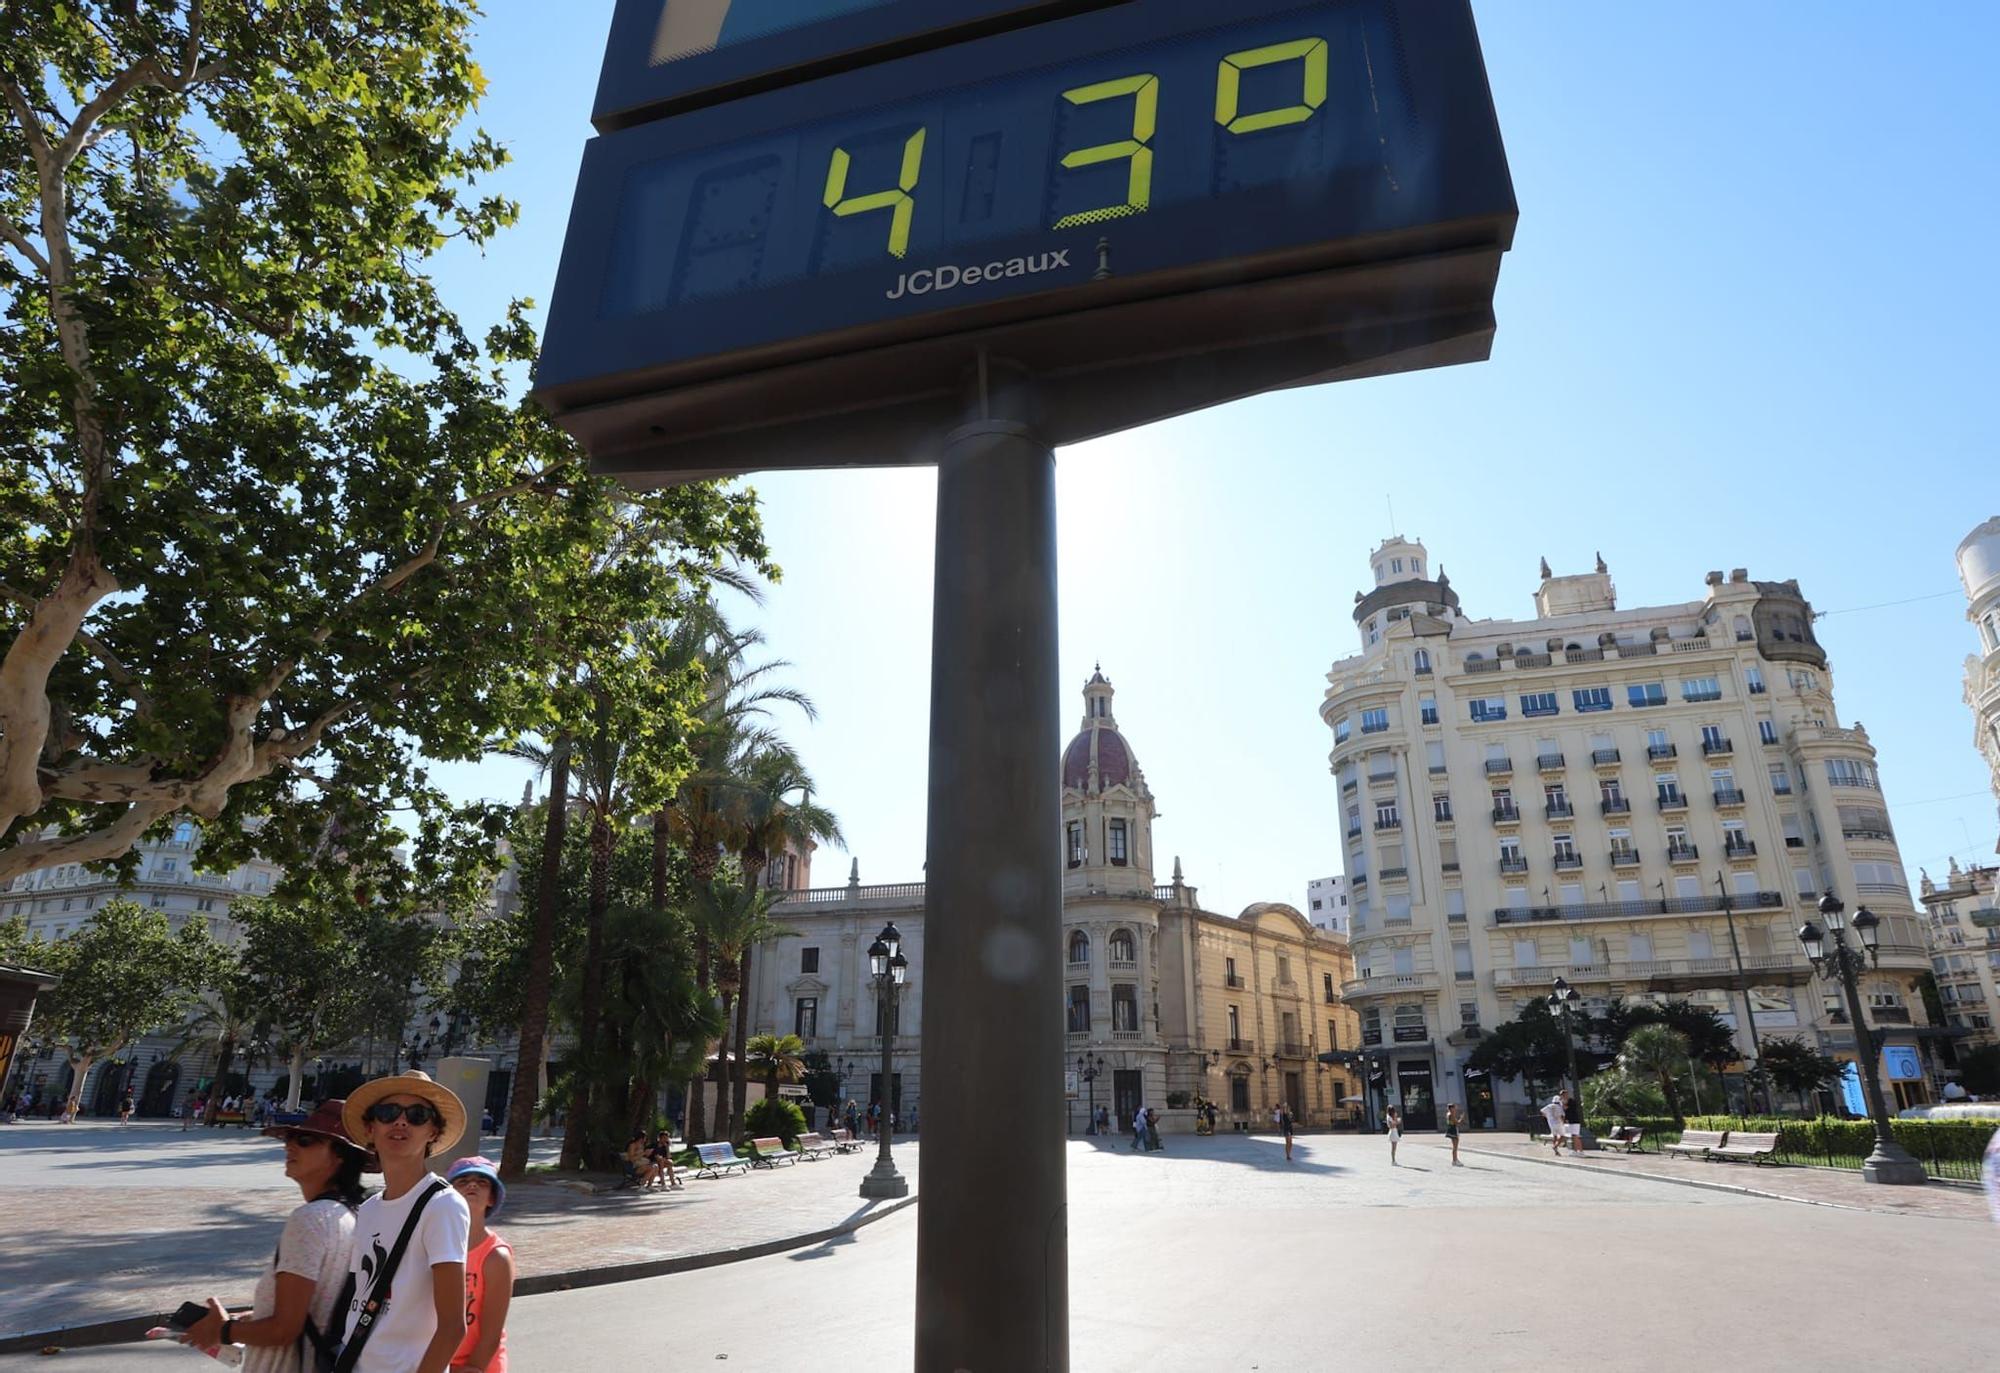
pixel 317 1241
pixel 404 1328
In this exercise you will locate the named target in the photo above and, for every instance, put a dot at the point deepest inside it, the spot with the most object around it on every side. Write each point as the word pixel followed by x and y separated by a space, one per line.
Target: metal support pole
pixel 992 1027
pixel 883 1181
pixel 1889 1162
pixel 1749 1011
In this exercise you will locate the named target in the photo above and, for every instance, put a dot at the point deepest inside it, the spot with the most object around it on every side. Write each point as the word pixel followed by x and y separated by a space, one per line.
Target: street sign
pixel 1069 1084
pixel 1144 208
pixel 667 55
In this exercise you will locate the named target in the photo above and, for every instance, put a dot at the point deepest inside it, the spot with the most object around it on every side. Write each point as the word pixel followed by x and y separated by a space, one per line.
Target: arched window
pixel 1079 947
pixel 1121 949
pixel 1423 660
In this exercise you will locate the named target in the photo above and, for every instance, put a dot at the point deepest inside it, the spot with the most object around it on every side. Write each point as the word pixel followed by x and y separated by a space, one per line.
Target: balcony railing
pixel 1889 1015
pixel 1603 757
pixel 1622 806
pixel 1241 1046
pixel 1566 861
pixel 1497 766
pixel 1711 747
pixel 1627 910
pixel 1728 797
pixel 1746 848
pixel 1549 762
pixel 1394 822
pixel 1292 1049
pixel 1441 814
pixel 1866 832
pixel 1659 751
pixel 1559 810
pixel 1506 815
pixel 1232 980
pixel 1683 853
pixel 1394 874
pixel 1624 858
pixel 1583 655
pixel 1508 865
pixel 1667 973
pixel 1673 800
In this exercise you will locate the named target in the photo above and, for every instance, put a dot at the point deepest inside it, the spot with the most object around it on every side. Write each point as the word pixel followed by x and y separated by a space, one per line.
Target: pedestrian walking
pixel 1395 1124
pixel 1573 1122
pixel 289 1325
pixel 1282 1118
pixel 125 1109
pixel 1451 1120
pixel 408 1262
pixel 1552 1112
pixel 489 1268
pixel 1139 1128
pixel 1152 1130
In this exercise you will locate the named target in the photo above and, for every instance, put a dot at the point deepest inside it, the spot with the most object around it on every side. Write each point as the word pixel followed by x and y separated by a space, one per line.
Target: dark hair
pixel 345 1184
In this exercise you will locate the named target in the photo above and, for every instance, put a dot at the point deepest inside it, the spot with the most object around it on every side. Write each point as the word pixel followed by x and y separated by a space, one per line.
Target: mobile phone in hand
pixel 187 1316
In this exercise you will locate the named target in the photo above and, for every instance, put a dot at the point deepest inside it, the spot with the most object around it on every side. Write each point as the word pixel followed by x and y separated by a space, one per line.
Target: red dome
pixel 1115 766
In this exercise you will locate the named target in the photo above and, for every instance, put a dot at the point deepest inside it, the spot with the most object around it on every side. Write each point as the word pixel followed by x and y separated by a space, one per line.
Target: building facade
pixel 1161 997
pixel 1326 904
pixel 1647 802
pixel 1979 570
pixel 1963 918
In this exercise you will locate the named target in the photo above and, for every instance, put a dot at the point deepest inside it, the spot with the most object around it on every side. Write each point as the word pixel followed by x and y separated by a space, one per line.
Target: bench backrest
pixel 811 1140
pixel 719 1152
pixel 1707 1139
pixel 771 1144
pixel 1744 1139
pixel 843 1136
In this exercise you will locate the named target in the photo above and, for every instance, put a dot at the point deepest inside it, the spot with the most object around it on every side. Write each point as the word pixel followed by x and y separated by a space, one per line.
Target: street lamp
pixel 889 969
pixel 1831 956
pixel 1565 996
pixel 1088 1069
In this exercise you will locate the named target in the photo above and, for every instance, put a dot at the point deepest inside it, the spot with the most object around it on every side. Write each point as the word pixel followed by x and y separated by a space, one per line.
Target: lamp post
pixel 1831 955
pixel 1377 1086
pixel 1565 996
pixel 890 968
pixel 1088 1068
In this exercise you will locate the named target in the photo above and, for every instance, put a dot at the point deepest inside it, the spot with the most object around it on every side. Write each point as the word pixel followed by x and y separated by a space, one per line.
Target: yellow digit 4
pixel 1145 93
pixel 1229 85
pixel 901 204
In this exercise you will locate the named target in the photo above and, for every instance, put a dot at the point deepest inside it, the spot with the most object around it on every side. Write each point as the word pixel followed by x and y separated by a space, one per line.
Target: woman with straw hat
pixel 408 1310
pixel 293 1308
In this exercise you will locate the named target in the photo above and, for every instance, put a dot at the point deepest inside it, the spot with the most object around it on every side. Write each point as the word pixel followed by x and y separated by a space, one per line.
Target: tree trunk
pixel 79 1069
pixel 725 1128
pixel 662 847
pixel 1673 1099
pixel 541 966
pixel 739 1064
pixel 298 1068
pixel 590 1008
pixel 224 1056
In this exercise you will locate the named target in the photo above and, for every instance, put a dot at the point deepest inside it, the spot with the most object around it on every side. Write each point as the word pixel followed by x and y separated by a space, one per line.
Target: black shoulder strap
pixel 378 1290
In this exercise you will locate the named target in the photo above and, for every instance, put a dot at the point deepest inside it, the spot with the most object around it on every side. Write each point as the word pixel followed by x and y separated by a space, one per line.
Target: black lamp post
pixel 1378 1088
pixel 1088 1068
pixel 890 969
pixel 1831 955
pixel 1565 996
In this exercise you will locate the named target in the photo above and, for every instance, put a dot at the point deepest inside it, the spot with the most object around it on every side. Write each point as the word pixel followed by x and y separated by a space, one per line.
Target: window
pixel 1701 689
pixel 1801 680
pixel 1628 889
pixel 1075 843
pixel 1588 699
pixel 1639 948
pixel 1434 756
pixel 1121 947
pixel 1612 794
pixel 1793 838
pixel 1700 944
pixel 1668 788
pixel 1235 1026
pixel 1374 720
pixel 1621 844
pixel 809 960
pixel 1342 729
pixel 1646 694
pixel 1526 955
pixel 1124 1007
pixel 1461 961
pixel 1468 1015
pixel 1658 745
pixel 1422 660
pixel 1441 808
pixel 168 864
pixel 1386 816
pixel 1353 821
pixel 1781 780
pixel 1488 708
pixel 1677 842
pixel 1851 772
pixel 1555 798
pixel 1316 903
pixel 1079 947
pixel 1565 847
pixel 1114 842
pixel 1534 703
pixel 1753 677
pixel 1326 990
pixel 1722 780
pixel 1734 840
pixel 1079 1010
pixel 1712 740
pixel 1767 732
pixel 1510 849
pixel 1403 962
pixel 1579 953
pixel 1454 904
pixel 1427 708
pixel 1332 1033
pixel 805 1017
pixel 1229 973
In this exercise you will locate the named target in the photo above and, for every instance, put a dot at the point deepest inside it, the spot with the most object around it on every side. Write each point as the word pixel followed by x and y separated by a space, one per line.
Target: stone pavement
pixel 107 1224
pixel 1818 1186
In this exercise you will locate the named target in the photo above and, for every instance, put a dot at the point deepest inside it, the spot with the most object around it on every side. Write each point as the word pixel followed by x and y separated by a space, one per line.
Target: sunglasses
pixel 303 1138
pixel 417 1113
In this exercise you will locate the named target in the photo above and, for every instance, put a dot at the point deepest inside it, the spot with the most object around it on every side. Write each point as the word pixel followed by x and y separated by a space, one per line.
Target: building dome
pixel 1098 757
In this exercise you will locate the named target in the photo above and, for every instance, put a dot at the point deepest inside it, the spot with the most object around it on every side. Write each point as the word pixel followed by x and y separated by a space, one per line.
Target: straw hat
pixel 413 1083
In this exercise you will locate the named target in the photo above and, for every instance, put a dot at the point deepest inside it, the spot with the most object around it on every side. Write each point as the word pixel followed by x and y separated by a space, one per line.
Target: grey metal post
pixel 1749 1010
pixel 883 1182
pixel 993 1025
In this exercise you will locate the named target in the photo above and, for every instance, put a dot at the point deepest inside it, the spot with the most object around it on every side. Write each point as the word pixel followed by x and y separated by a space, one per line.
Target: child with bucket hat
pixel 489 1268
pixel 408 1310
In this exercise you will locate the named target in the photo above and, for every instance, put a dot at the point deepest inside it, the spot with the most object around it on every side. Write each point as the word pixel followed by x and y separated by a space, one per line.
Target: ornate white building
pixel 1979 569
pixel 1646 802
pixel 1161 997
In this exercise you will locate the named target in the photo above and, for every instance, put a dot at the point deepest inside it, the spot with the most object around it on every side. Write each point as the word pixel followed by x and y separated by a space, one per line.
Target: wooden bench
pixel 1699 1142
pixel 770 1151
pixel 1758 1148
pixel 813 1146
pixel 716 1160
pixel 1624 1138
pixel 845 1142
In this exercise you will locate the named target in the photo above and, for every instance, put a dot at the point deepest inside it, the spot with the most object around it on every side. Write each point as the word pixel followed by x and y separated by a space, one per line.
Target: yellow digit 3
pixel 899 202
pixel 1229 85
pixel 1145 92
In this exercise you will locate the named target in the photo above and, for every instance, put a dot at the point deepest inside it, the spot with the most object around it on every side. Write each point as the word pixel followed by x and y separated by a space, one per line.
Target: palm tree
pixel 780 1058
pixel 734 917
pixel 226 1017
pixel 1660 1053
pixel 776 811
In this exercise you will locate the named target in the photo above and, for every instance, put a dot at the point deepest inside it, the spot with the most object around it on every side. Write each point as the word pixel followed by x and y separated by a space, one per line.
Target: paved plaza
pixel 1217 1254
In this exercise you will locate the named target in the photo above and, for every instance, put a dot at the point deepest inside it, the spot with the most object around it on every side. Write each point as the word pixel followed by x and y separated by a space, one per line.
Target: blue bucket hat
pixel 478 1166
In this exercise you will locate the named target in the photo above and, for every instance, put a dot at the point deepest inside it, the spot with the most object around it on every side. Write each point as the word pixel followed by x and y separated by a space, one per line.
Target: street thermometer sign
pixel 1148 207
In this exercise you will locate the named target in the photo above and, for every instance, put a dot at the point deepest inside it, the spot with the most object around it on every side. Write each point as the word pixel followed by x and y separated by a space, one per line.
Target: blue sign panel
pixel 1851 1095
pixel 1901 1064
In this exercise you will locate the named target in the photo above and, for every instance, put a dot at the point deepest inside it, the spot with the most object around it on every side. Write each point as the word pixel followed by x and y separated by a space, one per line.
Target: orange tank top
pixel 475 1303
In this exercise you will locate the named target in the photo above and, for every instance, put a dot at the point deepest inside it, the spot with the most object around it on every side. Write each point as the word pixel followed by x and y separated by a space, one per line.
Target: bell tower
pixel 1107 809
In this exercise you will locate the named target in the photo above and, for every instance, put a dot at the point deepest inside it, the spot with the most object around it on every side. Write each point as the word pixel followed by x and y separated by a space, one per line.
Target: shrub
pixel 775 1116
pixel 1617 1093
pixel 1956 1141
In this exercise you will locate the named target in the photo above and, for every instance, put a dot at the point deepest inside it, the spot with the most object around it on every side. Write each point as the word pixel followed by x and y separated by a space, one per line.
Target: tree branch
pixel 107 842
pixel 12 233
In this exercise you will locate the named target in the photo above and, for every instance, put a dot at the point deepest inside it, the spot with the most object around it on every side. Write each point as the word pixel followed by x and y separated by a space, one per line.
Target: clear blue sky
pixel 1746 323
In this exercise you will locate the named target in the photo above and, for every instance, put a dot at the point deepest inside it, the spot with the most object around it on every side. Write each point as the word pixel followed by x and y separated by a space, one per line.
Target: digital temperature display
pixel 1138 151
